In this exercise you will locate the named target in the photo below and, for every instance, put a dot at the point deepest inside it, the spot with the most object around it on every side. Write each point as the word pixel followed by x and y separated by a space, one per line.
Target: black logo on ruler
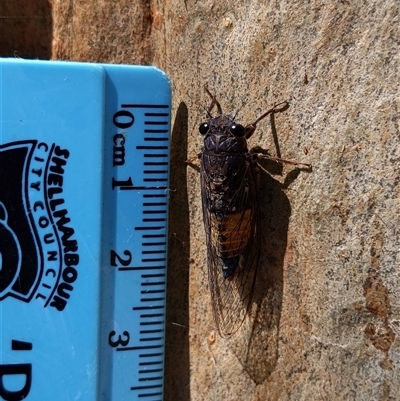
pixel 38 249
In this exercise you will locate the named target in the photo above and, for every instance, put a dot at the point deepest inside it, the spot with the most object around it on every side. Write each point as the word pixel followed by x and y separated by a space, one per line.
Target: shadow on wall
pixel 177 322
pixel 26 29
pixel 257 348
pixel 256 345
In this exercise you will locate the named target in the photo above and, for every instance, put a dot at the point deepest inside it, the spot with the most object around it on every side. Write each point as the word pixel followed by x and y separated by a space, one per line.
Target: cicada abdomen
pixel 230 214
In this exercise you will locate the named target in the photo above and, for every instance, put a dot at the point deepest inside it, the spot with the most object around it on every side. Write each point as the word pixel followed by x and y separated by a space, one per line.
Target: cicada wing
pixel 231 297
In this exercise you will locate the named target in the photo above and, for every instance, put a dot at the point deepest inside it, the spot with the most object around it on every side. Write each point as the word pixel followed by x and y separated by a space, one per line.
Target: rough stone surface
pixel 327 316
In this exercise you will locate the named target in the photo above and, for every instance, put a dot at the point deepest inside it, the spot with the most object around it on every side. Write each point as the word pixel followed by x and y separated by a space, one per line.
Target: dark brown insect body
pixel 230 217
pixel 228 192
pixel 230 213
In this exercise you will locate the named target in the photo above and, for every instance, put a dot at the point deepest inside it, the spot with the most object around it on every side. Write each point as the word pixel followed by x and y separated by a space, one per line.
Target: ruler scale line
pixel 148 307
pixel 151 355
pixel 144 379
pixel 149 363
pixel 139 347
pixel 146 387
pixel 149 228
pixel 152 299
pixel 139 268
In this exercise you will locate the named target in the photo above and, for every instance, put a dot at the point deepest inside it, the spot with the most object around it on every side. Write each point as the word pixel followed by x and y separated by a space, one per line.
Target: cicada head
pixel 223 135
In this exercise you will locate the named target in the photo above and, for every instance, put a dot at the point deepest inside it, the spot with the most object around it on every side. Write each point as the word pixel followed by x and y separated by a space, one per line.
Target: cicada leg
pixel 260 156
pixel 194 162
pixel 251 127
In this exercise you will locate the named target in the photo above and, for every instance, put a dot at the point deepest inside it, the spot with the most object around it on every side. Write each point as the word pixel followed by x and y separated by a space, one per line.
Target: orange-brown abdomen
pixel 231 234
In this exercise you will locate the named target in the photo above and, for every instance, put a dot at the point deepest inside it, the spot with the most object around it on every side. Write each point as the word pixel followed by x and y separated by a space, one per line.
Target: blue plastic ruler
pixel 84 167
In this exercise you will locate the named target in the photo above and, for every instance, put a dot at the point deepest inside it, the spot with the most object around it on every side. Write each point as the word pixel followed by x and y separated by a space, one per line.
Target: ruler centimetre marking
pixel 84 244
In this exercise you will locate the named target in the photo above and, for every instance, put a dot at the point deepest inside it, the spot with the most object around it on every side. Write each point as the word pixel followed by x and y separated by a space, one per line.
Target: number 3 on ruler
pixel 120 341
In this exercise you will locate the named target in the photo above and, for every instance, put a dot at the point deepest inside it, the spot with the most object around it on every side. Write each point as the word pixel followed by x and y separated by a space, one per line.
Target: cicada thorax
pixel 226 198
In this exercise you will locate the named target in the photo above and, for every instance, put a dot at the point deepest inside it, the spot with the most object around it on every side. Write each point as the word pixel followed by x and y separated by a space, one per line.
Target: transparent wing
pixel 231 298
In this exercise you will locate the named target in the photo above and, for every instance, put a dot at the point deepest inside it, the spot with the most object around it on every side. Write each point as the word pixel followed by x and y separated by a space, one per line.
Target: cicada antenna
pixel 214 102
pixel 237 111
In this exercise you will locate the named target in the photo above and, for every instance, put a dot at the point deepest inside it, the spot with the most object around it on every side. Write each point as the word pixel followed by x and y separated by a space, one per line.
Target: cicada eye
pixel 238 130
pixel 203 129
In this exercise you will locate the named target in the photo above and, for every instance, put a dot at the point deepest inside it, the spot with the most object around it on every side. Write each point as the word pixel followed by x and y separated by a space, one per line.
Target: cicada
pixel 231 214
